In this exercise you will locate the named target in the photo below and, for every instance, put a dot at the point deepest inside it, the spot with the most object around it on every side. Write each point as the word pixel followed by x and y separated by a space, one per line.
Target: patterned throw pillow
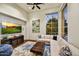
pixel 55 37
pixel 65 51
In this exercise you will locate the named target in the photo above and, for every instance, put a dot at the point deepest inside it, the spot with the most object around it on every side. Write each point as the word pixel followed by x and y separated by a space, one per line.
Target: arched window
pixel 52 24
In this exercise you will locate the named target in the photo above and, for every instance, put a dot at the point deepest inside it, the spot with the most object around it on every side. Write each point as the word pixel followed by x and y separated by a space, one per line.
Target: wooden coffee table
pixel 38 48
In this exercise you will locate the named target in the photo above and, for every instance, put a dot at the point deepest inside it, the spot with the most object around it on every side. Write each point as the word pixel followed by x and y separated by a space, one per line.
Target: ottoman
pixel 38 48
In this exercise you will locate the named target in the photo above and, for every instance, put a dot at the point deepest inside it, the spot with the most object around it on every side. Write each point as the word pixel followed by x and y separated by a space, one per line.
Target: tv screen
pixel 10 29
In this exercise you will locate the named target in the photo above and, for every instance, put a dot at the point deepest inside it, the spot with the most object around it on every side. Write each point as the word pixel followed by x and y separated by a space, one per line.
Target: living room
pixel 32 20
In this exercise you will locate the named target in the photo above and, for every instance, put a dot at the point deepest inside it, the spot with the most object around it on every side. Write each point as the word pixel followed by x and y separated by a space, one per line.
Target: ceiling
pixel 44 6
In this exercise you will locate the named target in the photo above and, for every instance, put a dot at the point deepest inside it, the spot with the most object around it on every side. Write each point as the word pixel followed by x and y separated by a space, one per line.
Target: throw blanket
pixel 5 50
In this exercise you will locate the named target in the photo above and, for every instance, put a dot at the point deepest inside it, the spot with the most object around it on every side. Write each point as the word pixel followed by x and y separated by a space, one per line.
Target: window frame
pixel 62 21
pixel 51 24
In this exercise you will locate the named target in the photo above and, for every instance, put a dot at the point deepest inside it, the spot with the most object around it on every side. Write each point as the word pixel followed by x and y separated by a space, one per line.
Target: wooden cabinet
pixel 0 41
pixel 13 41
pixel 20 41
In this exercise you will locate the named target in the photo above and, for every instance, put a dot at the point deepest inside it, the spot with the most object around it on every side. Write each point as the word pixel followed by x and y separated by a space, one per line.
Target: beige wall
pixel 73 24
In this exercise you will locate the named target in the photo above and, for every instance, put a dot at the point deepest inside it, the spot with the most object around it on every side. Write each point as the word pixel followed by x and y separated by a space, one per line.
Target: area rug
pixel 47 51
pixel 24 50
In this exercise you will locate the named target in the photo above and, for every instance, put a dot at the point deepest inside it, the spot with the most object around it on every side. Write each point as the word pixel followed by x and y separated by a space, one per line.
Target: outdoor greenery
pixel 10 30
pixel 52 27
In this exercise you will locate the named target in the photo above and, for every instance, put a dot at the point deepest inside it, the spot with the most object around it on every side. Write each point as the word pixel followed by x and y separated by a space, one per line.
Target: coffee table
pixel 38 48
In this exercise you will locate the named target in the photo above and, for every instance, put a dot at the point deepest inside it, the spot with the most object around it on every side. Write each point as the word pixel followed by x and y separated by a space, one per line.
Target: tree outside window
pixel 52 24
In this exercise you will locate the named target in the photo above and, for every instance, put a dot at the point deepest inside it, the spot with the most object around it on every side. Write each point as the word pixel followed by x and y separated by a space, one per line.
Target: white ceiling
pixel 44 6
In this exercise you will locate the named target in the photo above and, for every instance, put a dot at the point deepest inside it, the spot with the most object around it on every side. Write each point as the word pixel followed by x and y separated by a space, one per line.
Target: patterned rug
pixel 24 50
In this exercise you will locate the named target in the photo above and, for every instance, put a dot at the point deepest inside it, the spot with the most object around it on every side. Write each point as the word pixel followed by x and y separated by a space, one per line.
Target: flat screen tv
pixel 10 29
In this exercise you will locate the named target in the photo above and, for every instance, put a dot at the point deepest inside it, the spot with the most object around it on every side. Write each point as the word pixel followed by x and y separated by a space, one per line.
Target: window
pixel 52 24
pixel 65 22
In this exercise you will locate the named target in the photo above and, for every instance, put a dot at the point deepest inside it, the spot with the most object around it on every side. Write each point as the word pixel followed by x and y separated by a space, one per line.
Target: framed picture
pixel 36 26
